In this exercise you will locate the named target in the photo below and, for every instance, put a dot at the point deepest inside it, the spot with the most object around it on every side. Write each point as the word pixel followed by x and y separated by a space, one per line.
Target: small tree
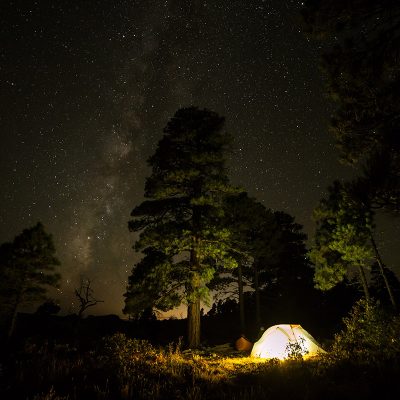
pixel 27 269
pixel 49 307
pixel 85 296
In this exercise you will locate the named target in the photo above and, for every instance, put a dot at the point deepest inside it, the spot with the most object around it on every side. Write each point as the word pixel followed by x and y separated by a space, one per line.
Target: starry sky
pixel 86 88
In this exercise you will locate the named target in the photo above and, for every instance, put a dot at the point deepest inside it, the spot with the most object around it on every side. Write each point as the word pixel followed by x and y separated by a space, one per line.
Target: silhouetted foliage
pixel 292 267
pixel 378 286
pixel 271 253
pixel 361 41
pixel 49 307
pixel 278 275
pixel 27 269
pixel 255 237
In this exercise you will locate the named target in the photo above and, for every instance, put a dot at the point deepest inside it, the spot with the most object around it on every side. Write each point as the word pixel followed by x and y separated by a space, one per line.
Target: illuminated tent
pixel 282 341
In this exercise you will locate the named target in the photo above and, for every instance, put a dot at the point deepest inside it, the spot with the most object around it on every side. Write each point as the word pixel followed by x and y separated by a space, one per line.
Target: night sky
pixel 86 88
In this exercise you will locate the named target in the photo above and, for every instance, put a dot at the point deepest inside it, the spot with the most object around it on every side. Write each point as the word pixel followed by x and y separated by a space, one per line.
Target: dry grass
pixel 123 368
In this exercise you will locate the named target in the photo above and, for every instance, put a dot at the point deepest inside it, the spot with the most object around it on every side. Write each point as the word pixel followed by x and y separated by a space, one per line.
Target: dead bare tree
pixel 85 296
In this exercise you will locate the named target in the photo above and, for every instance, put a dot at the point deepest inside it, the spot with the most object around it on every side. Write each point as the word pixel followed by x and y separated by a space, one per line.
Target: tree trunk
pixel 193 314
pixel 380 263
pixel 12 322
pixel 364 282
pixel 14 316
pixel 193 317
pixel 241 300
pixel 257 297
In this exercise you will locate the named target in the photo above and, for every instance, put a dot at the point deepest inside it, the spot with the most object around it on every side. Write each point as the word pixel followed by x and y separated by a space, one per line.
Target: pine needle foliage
pixel 181 233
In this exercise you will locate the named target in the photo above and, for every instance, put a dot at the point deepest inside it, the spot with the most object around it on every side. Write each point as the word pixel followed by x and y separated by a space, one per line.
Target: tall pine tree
pixel 181 234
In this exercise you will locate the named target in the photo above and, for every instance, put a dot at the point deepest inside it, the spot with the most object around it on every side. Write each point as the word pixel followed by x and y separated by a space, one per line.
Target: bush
pixel 370 335
pixel 126 357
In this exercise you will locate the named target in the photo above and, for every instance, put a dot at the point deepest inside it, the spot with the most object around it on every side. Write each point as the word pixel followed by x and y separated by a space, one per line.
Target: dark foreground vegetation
pixel 362 363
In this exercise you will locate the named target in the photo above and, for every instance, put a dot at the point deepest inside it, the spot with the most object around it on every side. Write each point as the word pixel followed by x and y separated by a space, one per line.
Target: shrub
pixel 296 350
pixel 126 355
pixel 370 335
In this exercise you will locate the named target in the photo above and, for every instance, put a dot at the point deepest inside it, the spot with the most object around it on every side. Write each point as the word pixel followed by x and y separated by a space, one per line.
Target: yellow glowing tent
pixel 282 341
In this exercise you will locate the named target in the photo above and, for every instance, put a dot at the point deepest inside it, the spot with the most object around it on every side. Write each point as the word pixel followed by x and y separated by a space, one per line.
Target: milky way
pixel 87 87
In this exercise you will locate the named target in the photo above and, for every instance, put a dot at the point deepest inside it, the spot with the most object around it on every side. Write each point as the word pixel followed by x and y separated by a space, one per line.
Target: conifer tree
pixel 254 246
pixel 360 60
pixel 27 268
pixel 345 238
pixel 270 250
pixel 181 235
pixel 340 240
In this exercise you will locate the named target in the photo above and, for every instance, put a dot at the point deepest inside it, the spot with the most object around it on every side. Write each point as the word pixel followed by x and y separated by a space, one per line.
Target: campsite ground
pixel 67 358
pixel 123 368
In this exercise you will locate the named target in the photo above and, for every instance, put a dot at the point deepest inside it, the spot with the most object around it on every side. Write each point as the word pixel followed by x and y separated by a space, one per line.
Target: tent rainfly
pixel 282 341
